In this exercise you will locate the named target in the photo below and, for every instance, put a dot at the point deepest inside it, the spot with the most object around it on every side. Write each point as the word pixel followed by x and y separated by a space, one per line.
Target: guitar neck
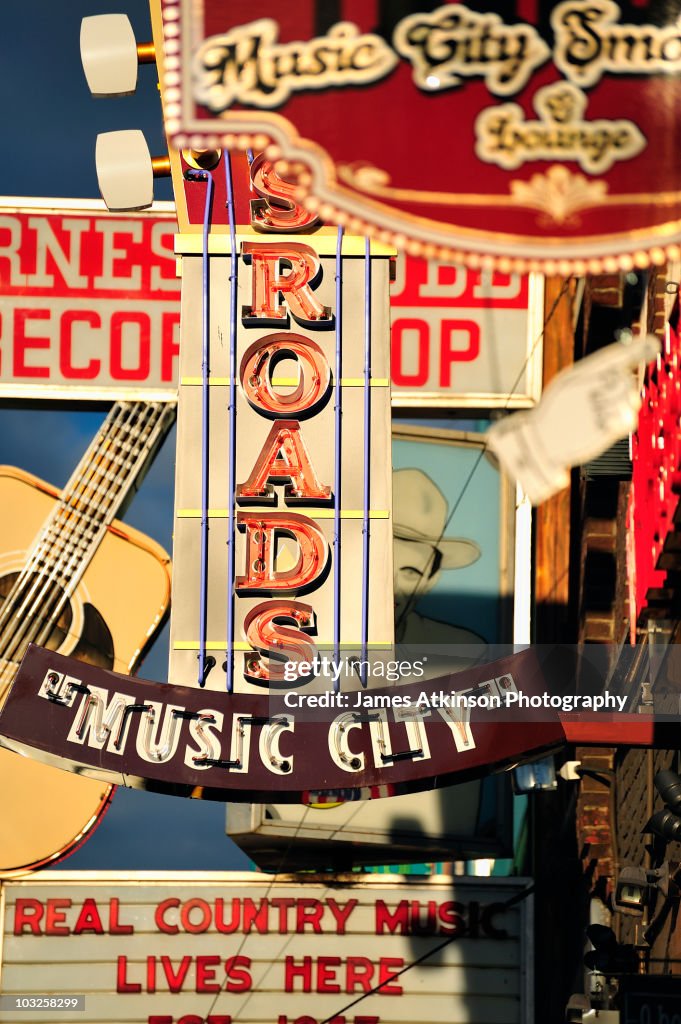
pixel 100 488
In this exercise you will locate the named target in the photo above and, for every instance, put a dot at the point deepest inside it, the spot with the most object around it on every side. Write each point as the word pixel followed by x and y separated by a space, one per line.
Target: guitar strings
pixel 63 532
pixel 88 529
pixel 72 531
pixel 97 530
pixel 71 538
pixel 125 463
pixel 57 535
pixel 61 525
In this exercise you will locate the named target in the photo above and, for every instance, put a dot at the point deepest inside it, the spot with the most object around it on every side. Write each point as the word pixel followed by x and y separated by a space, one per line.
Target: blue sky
pixel 50 123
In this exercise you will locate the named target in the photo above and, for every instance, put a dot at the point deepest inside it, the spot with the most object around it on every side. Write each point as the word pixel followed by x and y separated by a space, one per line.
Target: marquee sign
pixel 524 140
pixel 89 301
pixel 231 948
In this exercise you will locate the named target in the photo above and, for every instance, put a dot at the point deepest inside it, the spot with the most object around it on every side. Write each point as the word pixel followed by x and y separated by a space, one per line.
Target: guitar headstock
pixel 126 169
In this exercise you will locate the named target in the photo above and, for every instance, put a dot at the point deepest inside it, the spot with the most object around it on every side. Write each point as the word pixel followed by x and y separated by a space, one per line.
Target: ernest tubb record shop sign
pixel 522 136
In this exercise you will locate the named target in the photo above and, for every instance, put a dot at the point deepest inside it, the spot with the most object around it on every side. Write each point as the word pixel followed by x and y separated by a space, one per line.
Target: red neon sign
pixel 656 476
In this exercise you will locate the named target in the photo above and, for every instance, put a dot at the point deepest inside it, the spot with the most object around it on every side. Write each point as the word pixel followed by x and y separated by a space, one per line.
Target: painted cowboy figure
pixel 421 553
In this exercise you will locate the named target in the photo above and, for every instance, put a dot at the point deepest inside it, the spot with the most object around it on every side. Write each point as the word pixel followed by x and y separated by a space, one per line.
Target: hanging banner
pixel 89 302
pixel 524 140
pixel 146 948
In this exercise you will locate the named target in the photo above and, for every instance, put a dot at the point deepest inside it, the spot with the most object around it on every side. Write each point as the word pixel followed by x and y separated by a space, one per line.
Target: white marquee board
pixel 247 949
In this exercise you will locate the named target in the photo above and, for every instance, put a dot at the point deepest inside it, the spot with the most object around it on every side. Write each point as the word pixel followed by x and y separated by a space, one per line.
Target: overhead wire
pixel 414 595
pixel 518 898
pixel 244 940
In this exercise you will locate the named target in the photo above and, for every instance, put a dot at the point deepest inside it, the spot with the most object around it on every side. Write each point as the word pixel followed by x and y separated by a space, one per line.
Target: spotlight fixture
pixel 634 885
pixel 668 785
pixel 608 956
pixel 667 823
pixel 631 892
pixel 577 1006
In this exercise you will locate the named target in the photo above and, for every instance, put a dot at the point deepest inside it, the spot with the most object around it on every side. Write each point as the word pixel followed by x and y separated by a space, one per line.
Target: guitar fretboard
pixel 102 484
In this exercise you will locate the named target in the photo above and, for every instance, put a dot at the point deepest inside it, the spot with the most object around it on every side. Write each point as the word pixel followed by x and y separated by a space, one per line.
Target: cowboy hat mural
pixel 455 518
pixel 422 551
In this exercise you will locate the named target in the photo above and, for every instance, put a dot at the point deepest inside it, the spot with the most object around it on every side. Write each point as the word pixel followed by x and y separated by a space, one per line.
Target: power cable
pixel 414 963
pixel 409 604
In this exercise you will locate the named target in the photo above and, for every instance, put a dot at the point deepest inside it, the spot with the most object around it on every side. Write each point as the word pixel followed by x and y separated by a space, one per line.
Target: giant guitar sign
pixel 523 139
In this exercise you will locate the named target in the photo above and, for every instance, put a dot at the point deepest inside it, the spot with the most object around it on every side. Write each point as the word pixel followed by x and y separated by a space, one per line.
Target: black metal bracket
pixel 260 720
pixel 208 664
pixel 191 716
pixel 215 762
pixel 402 755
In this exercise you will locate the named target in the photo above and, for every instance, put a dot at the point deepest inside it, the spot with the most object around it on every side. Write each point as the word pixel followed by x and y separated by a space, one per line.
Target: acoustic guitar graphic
pixel 75 580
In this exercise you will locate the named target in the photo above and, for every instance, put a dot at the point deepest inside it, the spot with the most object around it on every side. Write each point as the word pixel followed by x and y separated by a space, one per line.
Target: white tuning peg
pixel 126 170
pixel 111 55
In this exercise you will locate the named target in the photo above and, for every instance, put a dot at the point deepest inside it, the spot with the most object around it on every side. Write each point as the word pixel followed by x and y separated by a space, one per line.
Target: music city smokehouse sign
pixel 555 120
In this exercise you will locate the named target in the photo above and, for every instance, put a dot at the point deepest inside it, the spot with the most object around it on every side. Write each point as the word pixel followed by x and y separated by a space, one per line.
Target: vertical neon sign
pixel 290 540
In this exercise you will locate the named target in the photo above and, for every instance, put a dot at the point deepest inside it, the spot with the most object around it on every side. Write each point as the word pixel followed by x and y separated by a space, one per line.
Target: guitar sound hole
pixel 94 645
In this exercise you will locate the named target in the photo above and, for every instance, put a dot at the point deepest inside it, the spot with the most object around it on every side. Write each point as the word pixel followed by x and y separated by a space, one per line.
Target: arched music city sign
pixel 257 746
pixel 527 142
